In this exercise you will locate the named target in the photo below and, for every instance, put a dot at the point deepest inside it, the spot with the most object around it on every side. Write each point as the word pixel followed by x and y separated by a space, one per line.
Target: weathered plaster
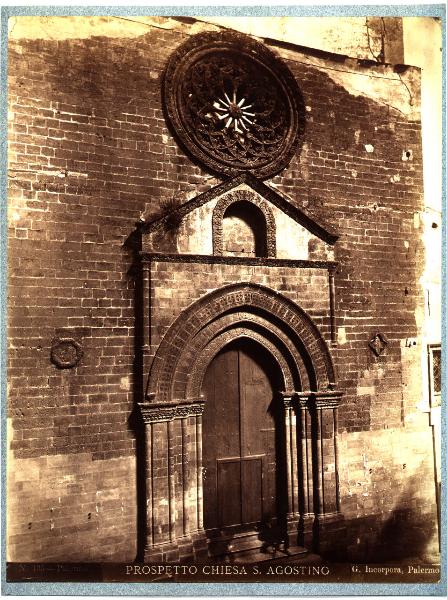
pixel 194 235
pixel 423 48
pixel 64 28
pixel 376 81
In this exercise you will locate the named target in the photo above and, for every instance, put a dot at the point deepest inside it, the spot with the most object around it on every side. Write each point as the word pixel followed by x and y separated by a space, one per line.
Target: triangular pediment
pixel 321 230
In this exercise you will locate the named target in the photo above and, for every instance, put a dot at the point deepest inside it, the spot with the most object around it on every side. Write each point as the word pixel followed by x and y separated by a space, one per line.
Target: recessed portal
pixel 244 458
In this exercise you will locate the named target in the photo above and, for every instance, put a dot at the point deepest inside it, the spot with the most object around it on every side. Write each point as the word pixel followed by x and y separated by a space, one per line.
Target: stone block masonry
pixel 89 154
pixel 58 504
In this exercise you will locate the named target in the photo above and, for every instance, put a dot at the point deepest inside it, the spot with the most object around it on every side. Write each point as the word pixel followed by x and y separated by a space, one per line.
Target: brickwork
pixel 89 154
pixel 177 287
pixel 388 497
pixel 59 504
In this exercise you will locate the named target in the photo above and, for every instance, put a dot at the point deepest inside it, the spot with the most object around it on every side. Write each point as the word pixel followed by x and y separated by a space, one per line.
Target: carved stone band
pixel 319 400
pixel 154 413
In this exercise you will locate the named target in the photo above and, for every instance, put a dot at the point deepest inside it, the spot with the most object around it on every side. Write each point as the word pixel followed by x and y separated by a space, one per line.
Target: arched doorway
pixel 244 441
pixel 242 358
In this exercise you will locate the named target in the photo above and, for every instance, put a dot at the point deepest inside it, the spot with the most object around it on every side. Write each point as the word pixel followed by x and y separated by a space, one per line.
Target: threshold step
pixel 256 556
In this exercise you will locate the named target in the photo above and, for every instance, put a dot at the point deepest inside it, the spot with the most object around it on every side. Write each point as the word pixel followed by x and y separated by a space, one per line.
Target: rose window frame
pixel 233 104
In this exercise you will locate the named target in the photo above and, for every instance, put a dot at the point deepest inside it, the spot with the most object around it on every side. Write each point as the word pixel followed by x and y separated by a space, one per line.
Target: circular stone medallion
pixel 66 353
pixel 233 104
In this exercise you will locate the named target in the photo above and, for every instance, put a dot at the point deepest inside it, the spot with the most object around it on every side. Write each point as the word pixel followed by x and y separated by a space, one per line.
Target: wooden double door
pixel 244 471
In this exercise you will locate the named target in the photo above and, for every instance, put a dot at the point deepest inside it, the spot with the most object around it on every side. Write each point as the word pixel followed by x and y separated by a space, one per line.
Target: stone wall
pixel 69 507
pixel 89 154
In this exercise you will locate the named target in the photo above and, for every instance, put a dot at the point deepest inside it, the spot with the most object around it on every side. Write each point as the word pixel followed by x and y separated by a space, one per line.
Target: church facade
pixel 215 299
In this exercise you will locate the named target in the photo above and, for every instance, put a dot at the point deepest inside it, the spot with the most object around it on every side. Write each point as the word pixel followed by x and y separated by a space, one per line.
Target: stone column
pixel 191 537
pixel 305 468
pixel 292 470
pixel 328 526
pixel 160 500
pixel 173 481
pixel 199 470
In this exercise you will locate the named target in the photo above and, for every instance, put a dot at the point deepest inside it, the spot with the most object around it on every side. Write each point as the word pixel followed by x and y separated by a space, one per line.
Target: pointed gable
pixel 224 219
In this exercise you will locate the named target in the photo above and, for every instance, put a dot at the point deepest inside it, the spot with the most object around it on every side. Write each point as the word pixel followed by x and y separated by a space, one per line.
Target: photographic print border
pixel 209 589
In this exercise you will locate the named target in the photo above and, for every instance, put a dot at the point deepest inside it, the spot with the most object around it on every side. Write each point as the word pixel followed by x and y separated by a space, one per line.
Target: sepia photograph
pixel 224 279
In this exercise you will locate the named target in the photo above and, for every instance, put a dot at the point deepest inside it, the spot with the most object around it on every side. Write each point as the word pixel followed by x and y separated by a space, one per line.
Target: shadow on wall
pixel 409 531
pixel 132 247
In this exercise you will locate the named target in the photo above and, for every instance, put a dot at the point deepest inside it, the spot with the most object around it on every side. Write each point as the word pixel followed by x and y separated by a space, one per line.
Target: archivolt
pixel 230 326
pixel 270 318
pixel 200 365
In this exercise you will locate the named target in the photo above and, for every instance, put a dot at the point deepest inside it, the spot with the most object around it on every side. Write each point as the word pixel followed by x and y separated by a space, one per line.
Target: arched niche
pixel 243 225
pixel 244 230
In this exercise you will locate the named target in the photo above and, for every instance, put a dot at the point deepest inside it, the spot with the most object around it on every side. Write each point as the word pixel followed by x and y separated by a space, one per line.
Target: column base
pixel 292 529
pixel 188 548
pixel 167 552
pixel 305 531
pixel 200 545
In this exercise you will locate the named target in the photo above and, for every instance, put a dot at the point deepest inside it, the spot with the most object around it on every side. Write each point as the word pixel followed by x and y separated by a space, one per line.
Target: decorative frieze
pixel 154 413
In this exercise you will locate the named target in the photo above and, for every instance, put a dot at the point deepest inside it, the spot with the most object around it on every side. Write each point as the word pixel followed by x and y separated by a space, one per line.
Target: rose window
pixel 233 104
pixel 236 114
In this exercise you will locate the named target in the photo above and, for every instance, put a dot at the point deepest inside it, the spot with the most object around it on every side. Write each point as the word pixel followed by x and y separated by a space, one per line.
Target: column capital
pixel 287 398
pixel 153 412
pixel 319 400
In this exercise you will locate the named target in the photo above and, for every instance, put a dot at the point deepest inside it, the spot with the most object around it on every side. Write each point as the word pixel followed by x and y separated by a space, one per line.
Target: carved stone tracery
pixel 233 104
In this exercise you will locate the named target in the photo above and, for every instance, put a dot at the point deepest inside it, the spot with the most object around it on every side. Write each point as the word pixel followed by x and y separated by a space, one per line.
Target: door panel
pixel 256 395
pixel 229 488
pixel 269 471
pixel 220 422
pixel 257 423
pixel 239 437
pixel 252 484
